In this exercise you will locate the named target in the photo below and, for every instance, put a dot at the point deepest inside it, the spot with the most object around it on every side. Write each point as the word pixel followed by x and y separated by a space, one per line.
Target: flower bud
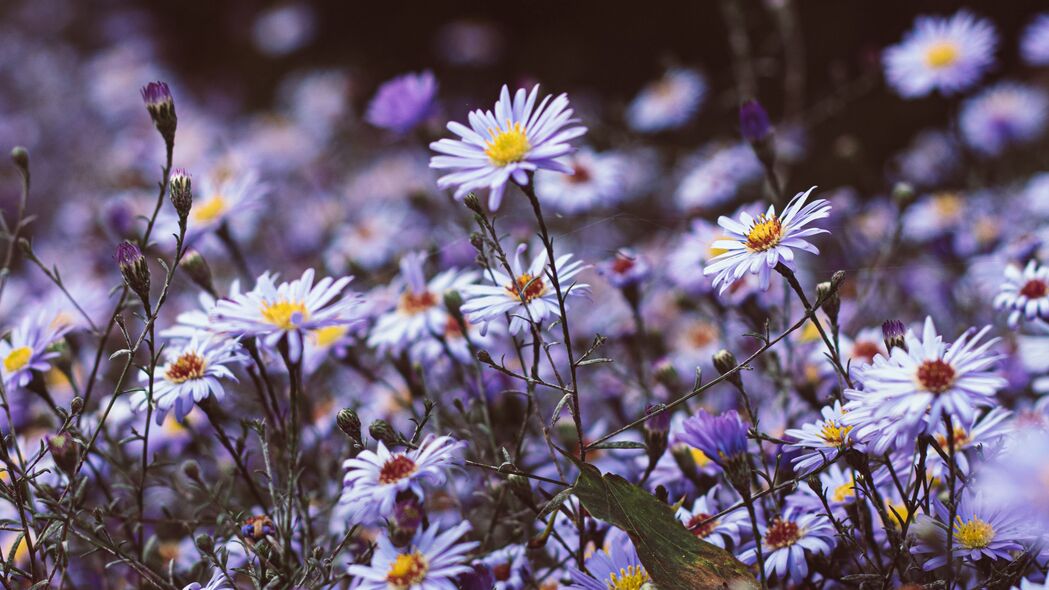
pixel 134 269
pixel 65 452
pixel 754 121
pixel 382 431
pixel 191 469
pixel 256 528
pixel 477 241
pixel 205 543
pixel 198 271
pixel 452 302
pixel 161 107
pixel 473 204
pixel 903 194
pixel 20 156
pixel 894 333
pixel 76 406
pixel 520 487
pixel 181 194
pixel 724 362
pixel 657 430
pixel 826 293
pixel 350 424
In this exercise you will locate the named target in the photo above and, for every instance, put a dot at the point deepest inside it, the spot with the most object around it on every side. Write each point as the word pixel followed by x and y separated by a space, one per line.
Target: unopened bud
pixel 191 469
pixel 520 487
pixel 205 543
pixel 826 293
pixel 382 431
pixel 350 423
pixel 452 302
pixel 484 357
pixel 657 430
pixel 64 451
pixel 473 204
pixel 903 194
pixel 725 362
pixel 161 107
pixel 76 406
pixel 181 194
pixel 20 156
pixel 198 271
pixel 134 269
pixel 754 121
pixel 895 334
pixel 477 241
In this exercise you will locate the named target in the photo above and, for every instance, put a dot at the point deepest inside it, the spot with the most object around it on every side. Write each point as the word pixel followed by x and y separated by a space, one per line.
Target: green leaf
pixel 672 556
pixel 618 444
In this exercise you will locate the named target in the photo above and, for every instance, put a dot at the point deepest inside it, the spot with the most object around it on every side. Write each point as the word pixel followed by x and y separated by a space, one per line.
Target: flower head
pixel 404 102
pixel 910 391
pixel 667 103
pixel 723 439
pixel 1003 116
pixel 821 440
pixel 1034 44
pixel 596 181
pixel 193 372
pixel 272 312
pixel 981 529
pixel 945 54
pixel 1025 293
pixel 374 479
pixel 702 522
pixel 28 349
pixel 431 562
pixel 529 295
pixel 515 139
pixel 509 567
pixel 758 245
pixel 787 541
pixel 616 567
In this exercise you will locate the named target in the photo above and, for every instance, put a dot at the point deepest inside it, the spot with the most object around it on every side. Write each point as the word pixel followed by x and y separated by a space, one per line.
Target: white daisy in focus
pixel 192 373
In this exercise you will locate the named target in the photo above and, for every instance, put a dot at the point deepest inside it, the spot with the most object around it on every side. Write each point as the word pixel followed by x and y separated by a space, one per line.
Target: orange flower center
pixel 936 376
pixel 186 367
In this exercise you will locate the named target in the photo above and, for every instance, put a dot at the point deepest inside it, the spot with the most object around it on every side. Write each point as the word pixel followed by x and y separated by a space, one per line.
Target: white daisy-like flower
pixel 192 373
pixel 910 391
pixel 220 196
pixel 667 103
pixel 1003 116
pixel 432 562
pixel 218 581
pixel 788 541
pixel 596 181
pixel 719 531
pixel 514 140
pixel 821 440
pixel 420 311
pixel 945 54
pixel 27 349
pixel 1025 293
pixel 527 295
pixel 374 479
pixel 758 245
pixel 271 311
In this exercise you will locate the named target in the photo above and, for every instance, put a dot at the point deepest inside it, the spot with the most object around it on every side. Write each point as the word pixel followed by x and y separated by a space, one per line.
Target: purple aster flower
pixel 509 567
pixel 981 529
pixel 404 102
pixel 949 55
pixel 156 95
pixel 625 269
pixel 515 139
pixel 596 181
pixel 758 245
pixel 27 349
pixel 374 479
pixel 667 103
pixel 1002 116
pixel 432 562
pixel 910 391
pixel 788 540
pixel 716 176
pixel 617 567
pixel 193 372
pixel 271 312
pixel 526 296
pixel 218 581
pixel 822 440
pixel 1025 293
pixel 722 438
pixel 1034 44
pixel 720 531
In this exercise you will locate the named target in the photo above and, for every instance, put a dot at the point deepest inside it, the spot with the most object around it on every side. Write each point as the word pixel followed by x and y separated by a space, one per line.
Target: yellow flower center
pixel 328 335
pixel 766 233
pixel 844 491
pixel 407 570
pixel 186 367
pixel 898 513
pixel 974 534
pixel 948 205
pixel 699 457
pixel 629 578
pixel 834 434
pixel 211 209
pixel 941 54
pixel 17 359
pixel 508 146
pixel 527 287
pixel 281 313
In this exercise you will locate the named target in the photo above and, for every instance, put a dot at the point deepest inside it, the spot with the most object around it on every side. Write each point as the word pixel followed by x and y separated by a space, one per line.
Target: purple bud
pixel 134 269
pixel 754 121
pixel 156 93
pixel 181 193
pixel 128 254
pixel 894 332
pixel 161 107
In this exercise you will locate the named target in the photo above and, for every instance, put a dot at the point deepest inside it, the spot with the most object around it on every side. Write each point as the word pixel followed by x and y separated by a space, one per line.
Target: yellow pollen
pixel 17 359
pixel 844 491
pixel 407 570
pixel 281 313
pixel 629 578
pixel 974 534
pixel 328 335
pixel 765 234
pixel 699 457
pixel 948 205
pixel 211 209
pixel 941 54
pixel 507 147
pixel 834 434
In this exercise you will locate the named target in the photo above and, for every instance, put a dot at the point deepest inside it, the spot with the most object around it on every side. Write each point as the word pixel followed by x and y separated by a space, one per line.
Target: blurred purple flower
pixel 404 102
